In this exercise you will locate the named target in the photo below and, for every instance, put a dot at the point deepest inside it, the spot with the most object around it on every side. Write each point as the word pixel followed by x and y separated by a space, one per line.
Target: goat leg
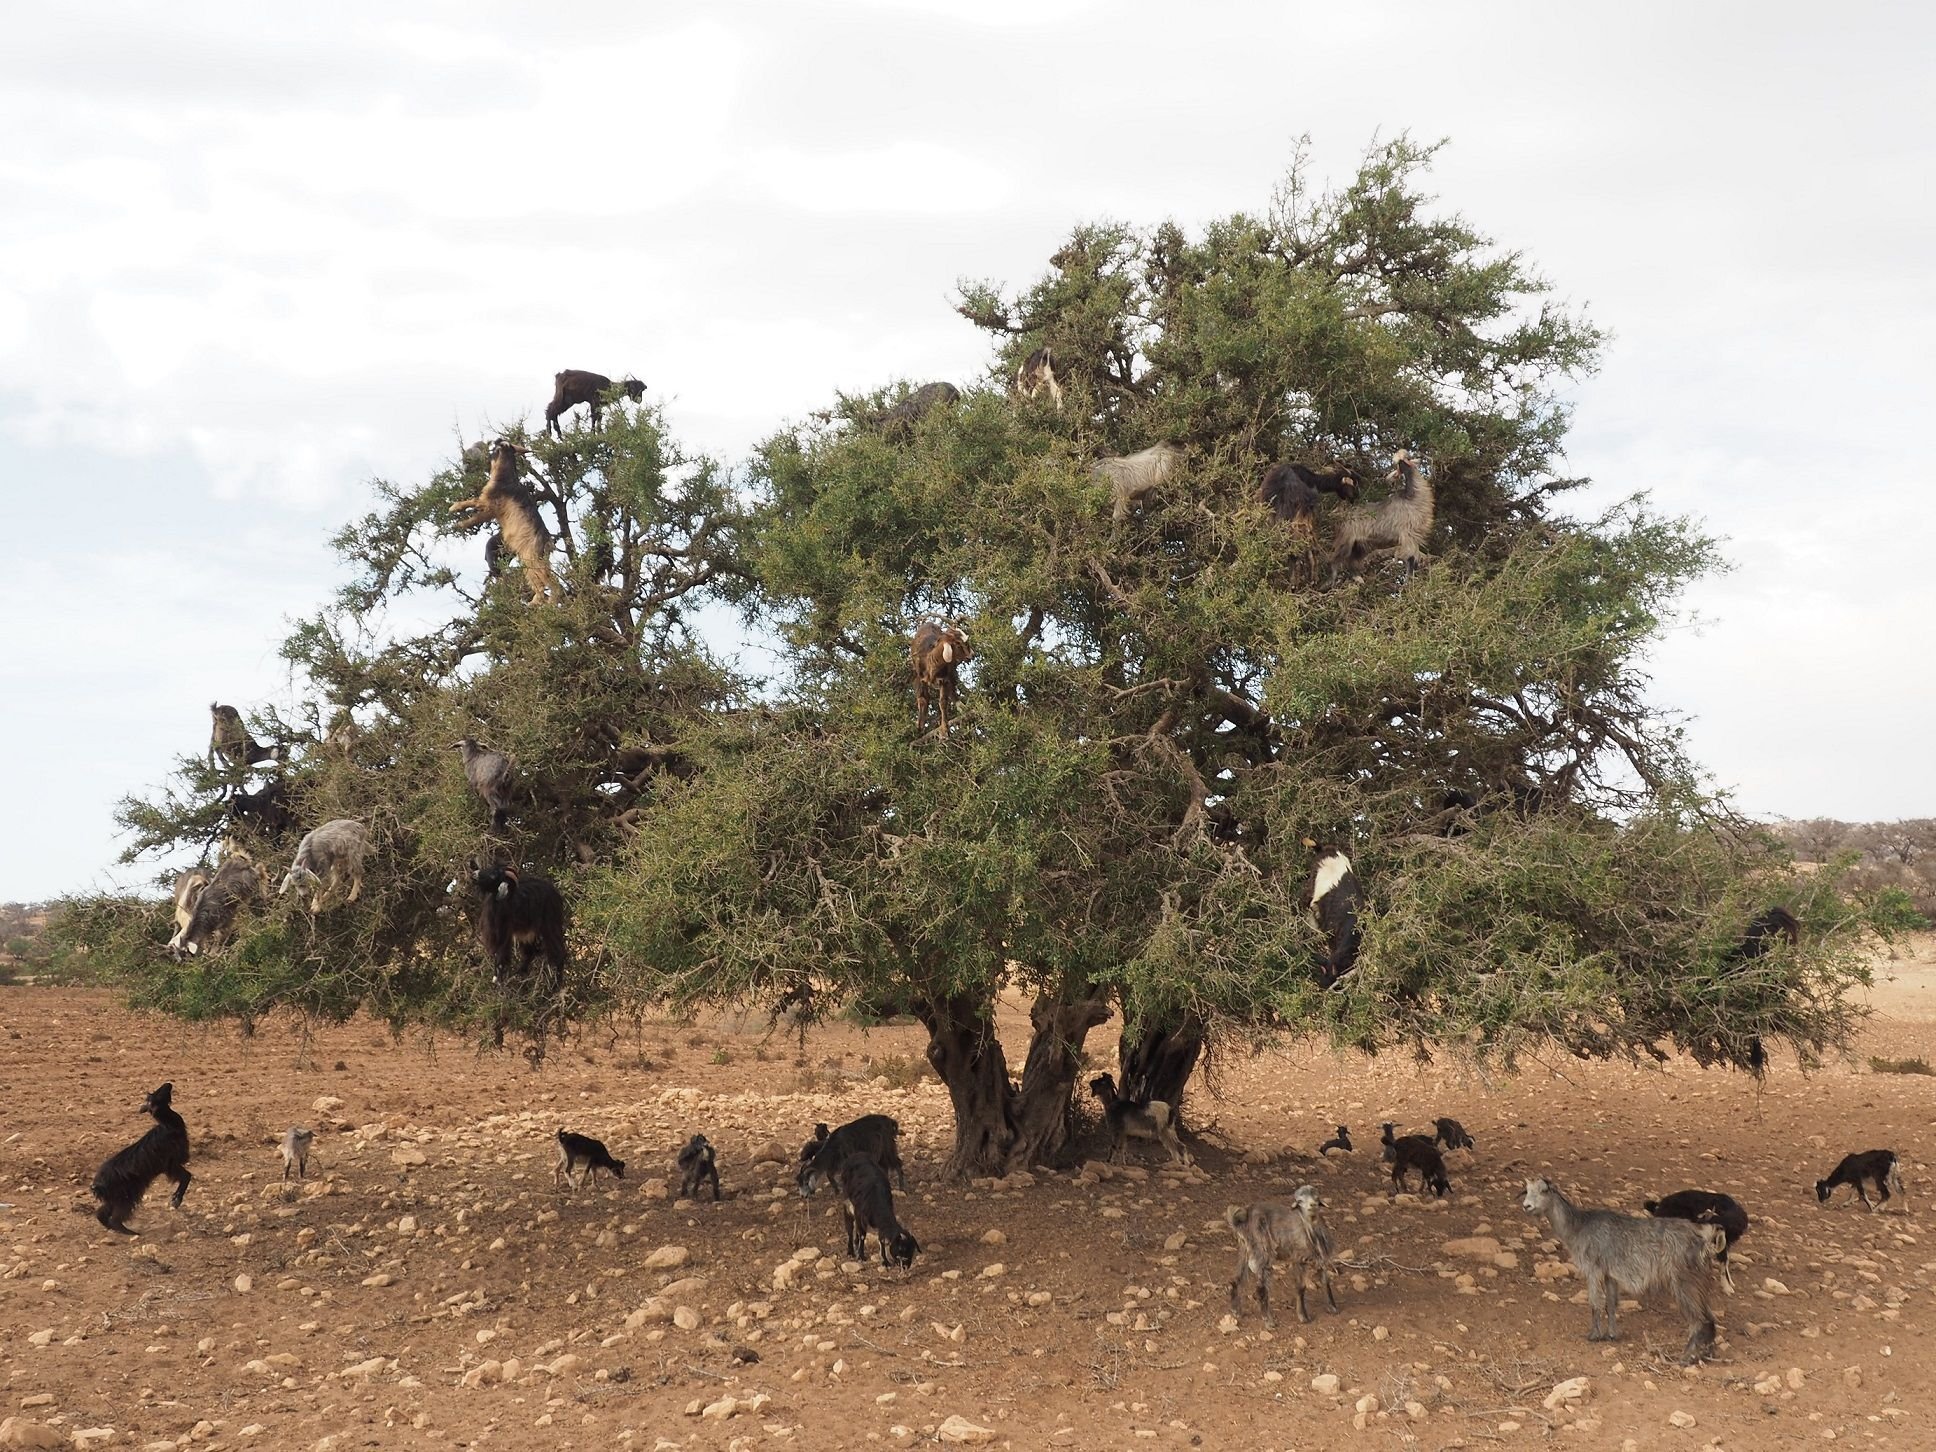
pixel 182 1179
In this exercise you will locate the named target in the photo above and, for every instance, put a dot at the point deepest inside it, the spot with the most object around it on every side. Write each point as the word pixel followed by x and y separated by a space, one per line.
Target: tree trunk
pixel 1158 1060
pixel 1044 1111
pixel 967 1056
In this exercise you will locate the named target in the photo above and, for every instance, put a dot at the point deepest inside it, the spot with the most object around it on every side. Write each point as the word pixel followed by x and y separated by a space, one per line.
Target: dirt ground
pixel 428 1286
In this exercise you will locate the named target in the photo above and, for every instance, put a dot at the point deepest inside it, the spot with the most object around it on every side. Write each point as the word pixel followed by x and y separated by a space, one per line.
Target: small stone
pixel 960 1429
pixel 1473 1247
pixel 40 1338
pixel 720 1410
pixel 1795 1377
pixel 1325 1384
pixel 1039 1298
pixel 1380 1333
pixel 1176 1240
pixel 407 1225
pixel 666 1257
pixel 19 1432
pixel 772 1153
pixel 379 1280
pixel 326 1104
pixel 994 1272
pixel 685 1318
pixel 1851 1378
pixel 1773 1287
pixel 1679 1419
pixel 993 1237
pixel 243 1285
pixel 408 1156
pixel 1565 1393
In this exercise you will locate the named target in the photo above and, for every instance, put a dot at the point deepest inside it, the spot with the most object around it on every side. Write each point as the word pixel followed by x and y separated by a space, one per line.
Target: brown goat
pixel 505 502
pixel 1037 373
pixel 936 653
pixel 577 385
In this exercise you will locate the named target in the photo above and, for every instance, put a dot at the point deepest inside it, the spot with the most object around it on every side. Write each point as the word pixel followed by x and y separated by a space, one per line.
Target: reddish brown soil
pixel 1101 1330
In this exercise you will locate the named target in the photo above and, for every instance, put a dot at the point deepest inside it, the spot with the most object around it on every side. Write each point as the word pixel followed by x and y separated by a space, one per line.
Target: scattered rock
pixel 685 1318
pixel 19 1432
pixel 1325 1384
pixel 993 1237
pixel 772 1153
pixel 666 1257
pixel 243 1285
pixel 1679 1419
pixel 408 1156
pixel 1565 1393
pixel 1472 1247
pixel 960 1429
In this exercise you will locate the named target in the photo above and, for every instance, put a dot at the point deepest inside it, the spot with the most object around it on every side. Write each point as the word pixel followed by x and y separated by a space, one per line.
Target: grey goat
pixel 295 1152
pixel 492 775
pixel 1272 1229
pixel 1635 1254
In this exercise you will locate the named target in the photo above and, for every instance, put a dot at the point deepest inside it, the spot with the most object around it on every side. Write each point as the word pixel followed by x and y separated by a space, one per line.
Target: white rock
pixel 1325 1384
pixel 19 1432
pixel 666 1257
pixel 720 1410
pixel 993 1237
pixel 1679 1419
pixel 1568 1391
pixel 685 1318
pixel 243 1285
pixel 960 1429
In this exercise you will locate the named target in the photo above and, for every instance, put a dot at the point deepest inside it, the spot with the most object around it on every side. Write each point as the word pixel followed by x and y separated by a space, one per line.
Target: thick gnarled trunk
pixel 1159 1058
pixel 1044 1110
pixel 967 1056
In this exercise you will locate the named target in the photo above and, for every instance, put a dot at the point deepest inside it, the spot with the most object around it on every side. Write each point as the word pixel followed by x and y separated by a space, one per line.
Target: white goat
pixel 1132 477
pixel 329 856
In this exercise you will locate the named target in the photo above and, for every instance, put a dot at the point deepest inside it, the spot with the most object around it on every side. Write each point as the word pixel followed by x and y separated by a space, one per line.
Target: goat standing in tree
pixel 1398 527
pixel 578 385
pixel 936 653
pixel 506 502
pixel 1290 491
pixel 1037 373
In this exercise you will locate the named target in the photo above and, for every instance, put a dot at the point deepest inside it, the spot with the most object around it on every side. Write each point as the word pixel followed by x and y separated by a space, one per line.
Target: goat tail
pixel 1237 1217
pixel 1894 1178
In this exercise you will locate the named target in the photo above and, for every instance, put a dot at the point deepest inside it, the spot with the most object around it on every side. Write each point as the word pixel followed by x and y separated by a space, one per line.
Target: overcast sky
pixel 251 257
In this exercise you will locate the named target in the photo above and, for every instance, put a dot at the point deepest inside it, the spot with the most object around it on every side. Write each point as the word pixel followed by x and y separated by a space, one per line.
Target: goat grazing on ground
pixel 188 891
pixel 868 1204
pixel 1134 477
pixel 697 1164
pixel 812 1146
pixel 1337 899
pixel 898 422
pixel 236 883
pixel 295 1152
pixel 1152 1119
pixel 575 386
pixel 506 502
pixel 1877 1166
pixel 121 1182
pixel 1706 1208
pixel 1451 1134
pixel 1272 1230
pixel 1290 491
pixel 524 912
pixel 230 740
pixel 580 1158
pixel 1398 527
pixel 937 654
pixel 872 1137
pixel 330 856
pixel 493 776
pixel 1415 1154
pixel 1340 1141
pixel 1037 373
pixel 1635 1254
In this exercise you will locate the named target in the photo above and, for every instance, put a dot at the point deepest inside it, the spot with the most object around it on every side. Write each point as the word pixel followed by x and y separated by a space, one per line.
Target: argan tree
pixel 1161 710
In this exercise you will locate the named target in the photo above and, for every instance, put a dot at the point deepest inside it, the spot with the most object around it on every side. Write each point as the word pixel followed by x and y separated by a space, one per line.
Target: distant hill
pixel 1894 854
pixel 23 948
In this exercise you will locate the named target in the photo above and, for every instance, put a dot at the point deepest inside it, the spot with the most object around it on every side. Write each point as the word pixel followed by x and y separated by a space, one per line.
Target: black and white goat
pixel 867 1205
pixel 121 1182
pixel 1037 373
pixel 872 1137
pixel 236 883
pixel 330 856
pixel 1704 1207
pixel 1337 900
pixel 522 912
pixel 580 1158
pixel 574 386
pixel 230 740
pixel 1450 1134
pixel 697 1164
pixel 1398 526
pixel 1151 1119
pixel 1879 1167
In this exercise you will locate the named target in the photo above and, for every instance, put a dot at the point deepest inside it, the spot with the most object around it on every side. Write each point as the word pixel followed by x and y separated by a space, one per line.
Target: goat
pixel 1340 1141
pixel 188 891
pixel 1635 1254
pixel 1415 1154
pixel 1398 526
pixel 492 776
pixel 1337 899
pixel 329 856
pixel 295 1152
pixel 1037 373
pixel 867 1205
pixel 899 421
pixel 230 740
pixel 937 653
pixel 507 503
pixel 812 1146
pixel 126 1175
pixel 575 386
pixel 237 882
pixel 1878 1165
pixel 1291 492
pixel 1702 1207
pixel 872 1137
pixel 1128 1119
pixel 525 912
pixel 1451 1134
pixel 264 811
pixel 1133 477
pixel 584 1157
pixel 1763 929
pixel 697 1164
pixel 1272 1229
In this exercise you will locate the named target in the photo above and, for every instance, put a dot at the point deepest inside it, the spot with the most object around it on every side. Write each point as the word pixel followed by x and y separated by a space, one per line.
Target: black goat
pixel 1337 899
pixel 580 1158
pixel 1879 1166
pixel 121 1182
pixel 1341 1141
pixel 264 811
pixel 869 1205
pixel 521 911
pixel 1704 1207
pixel 1415 1154
pixel 575 386
pixel 872 1137
pixel 812 1146
pixel 697 1164
pixel 1290 491
pixel 1763 929
pixel 1451 1134
pixel 898 422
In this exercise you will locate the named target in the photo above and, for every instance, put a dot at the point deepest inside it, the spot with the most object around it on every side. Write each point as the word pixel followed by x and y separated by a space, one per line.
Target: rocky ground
pixel 429 1286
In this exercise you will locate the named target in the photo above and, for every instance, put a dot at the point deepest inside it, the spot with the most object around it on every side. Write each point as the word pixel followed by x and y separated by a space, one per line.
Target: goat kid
pixel 126 1175
pixel 1451 1134
pixel 1703 1207
pixel 580 1158
pixel 1127 1119
pixel 1340 1141
pixel 295 1152
pixel 869 1205
pixel 1878 1166
pixel 1272 1230
pixel 697 1164
pixel 1415 1154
